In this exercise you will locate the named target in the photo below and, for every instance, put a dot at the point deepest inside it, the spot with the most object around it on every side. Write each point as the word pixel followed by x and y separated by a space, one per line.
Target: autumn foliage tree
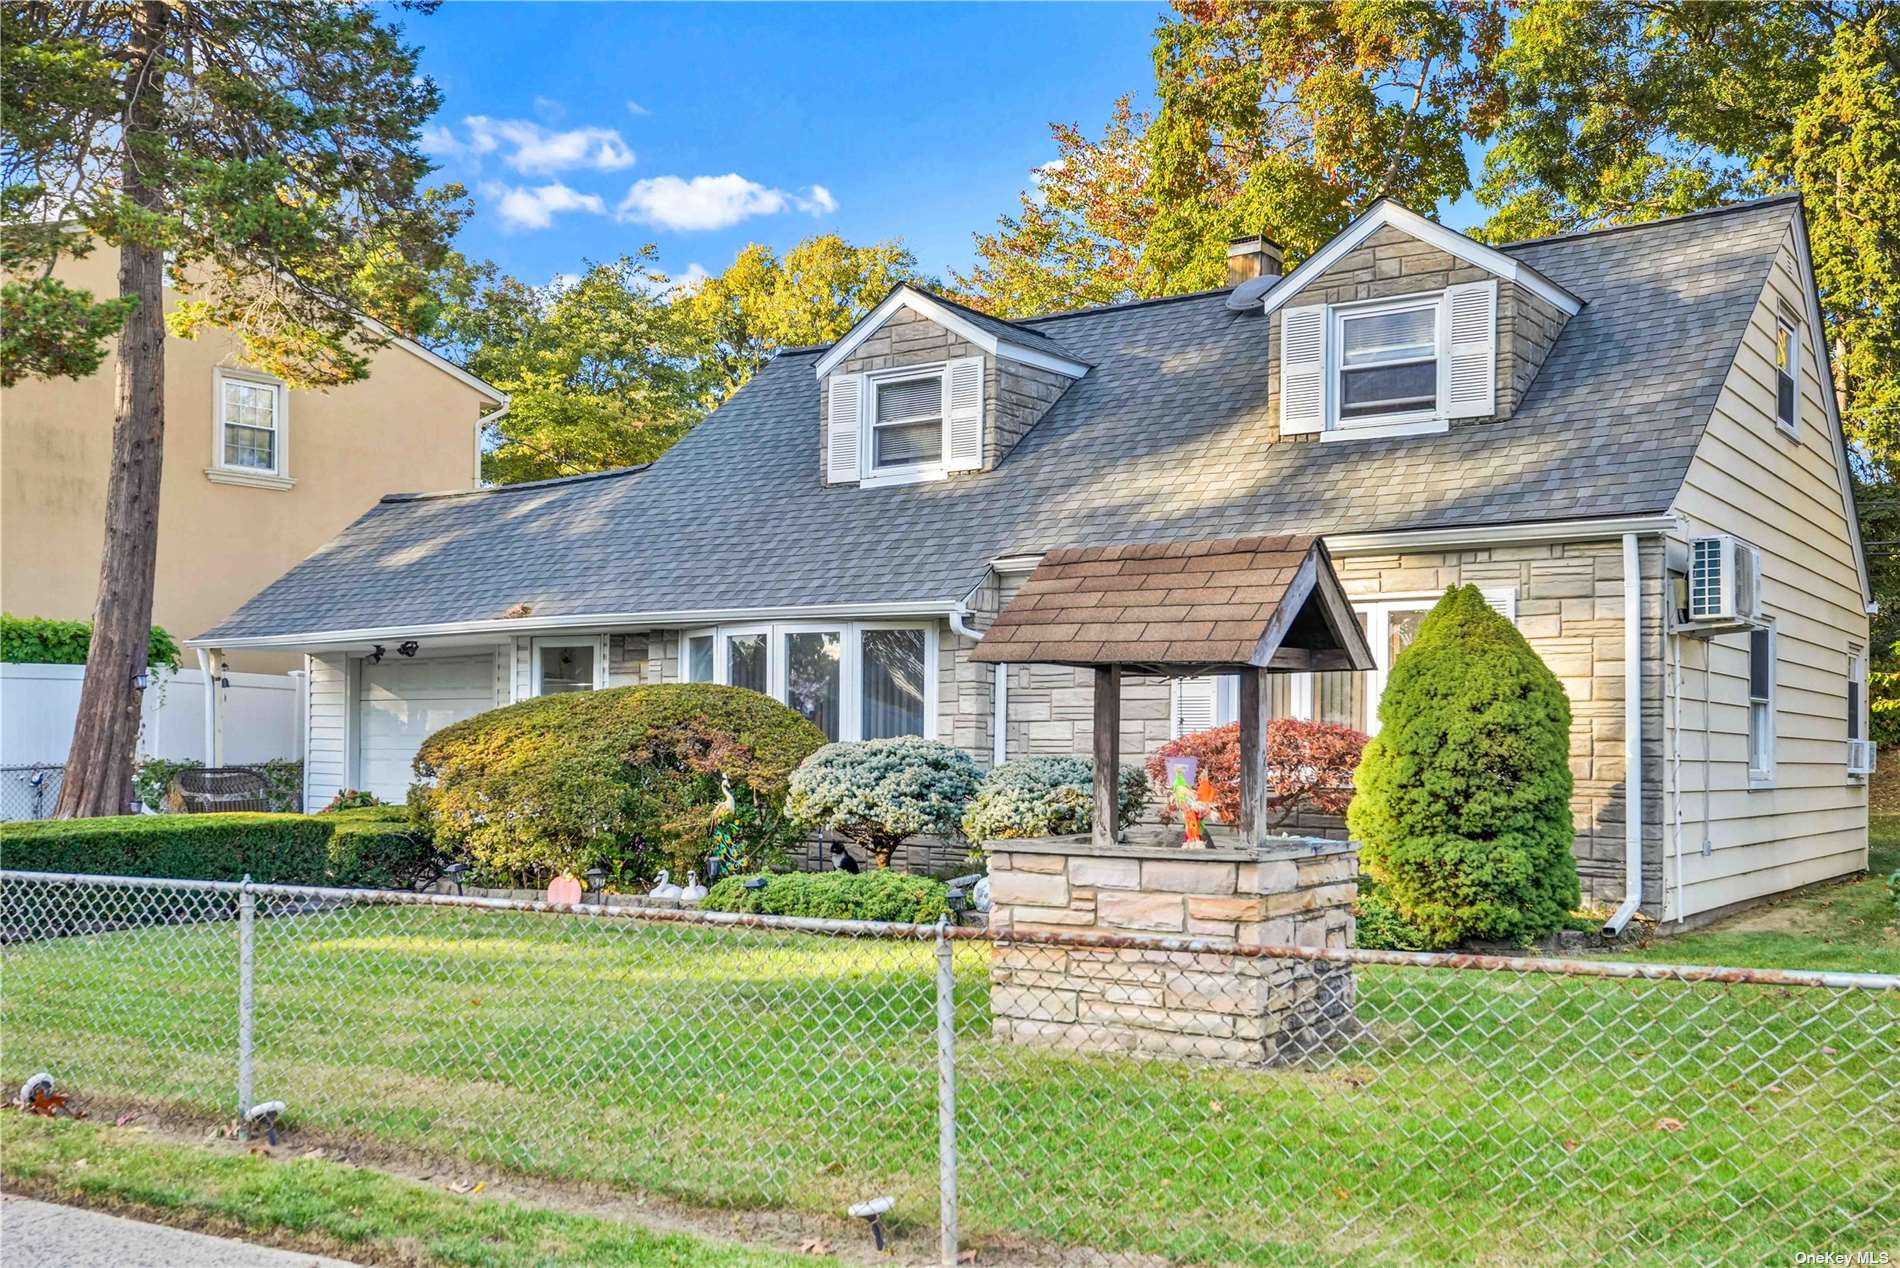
pixel 1309 766
pixel 268 154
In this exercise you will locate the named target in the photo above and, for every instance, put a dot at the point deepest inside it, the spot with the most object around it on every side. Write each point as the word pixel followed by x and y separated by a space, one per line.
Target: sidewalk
pixel 43 1235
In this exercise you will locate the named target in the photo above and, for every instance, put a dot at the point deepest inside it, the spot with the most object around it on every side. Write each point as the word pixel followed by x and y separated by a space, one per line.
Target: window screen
pixel 909 426
pixel 1388 362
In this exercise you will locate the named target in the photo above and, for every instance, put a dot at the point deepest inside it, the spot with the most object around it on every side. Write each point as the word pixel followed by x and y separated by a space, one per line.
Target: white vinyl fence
pixel 38 704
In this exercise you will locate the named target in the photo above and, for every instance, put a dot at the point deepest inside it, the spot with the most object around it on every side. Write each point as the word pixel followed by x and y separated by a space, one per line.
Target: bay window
pixel 853 679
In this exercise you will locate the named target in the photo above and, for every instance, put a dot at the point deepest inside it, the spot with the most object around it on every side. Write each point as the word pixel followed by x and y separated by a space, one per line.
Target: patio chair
pixel 220 790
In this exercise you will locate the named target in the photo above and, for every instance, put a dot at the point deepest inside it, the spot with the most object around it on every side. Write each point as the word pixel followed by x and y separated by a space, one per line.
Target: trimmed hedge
pixel 376 848
pixel 274 848
pixel 883 895
pixel 40 640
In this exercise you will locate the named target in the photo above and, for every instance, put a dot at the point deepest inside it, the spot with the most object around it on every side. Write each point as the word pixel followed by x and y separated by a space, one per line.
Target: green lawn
pixel 313 1205
pixel 1477 1117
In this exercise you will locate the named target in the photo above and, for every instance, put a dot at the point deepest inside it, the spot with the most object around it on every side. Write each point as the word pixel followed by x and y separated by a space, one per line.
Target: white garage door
pixel 406 701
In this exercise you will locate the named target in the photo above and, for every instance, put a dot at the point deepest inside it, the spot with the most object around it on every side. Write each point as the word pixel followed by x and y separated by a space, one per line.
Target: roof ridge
pixel 582 478
pixel 1126 303
pixel 1704 213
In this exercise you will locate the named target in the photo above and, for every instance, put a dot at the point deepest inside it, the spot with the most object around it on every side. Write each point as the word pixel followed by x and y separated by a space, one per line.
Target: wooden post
pixel 1108 753
pixel 1254 711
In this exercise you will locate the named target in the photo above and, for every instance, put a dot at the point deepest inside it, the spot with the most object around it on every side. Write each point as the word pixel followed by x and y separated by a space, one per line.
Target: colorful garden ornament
pixel 1194 798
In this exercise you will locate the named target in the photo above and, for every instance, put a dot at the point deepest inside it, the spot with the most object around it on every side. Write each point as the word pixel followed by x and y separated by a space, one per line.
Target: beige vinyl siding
pixel 1783 495
pixel 326 764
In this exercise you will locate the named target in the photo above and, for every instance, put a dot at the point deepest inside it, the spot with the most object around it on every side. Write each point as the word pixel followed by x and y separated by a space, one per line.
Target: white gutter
pixel 1632 736
pixel 500 629
pixel 1497 534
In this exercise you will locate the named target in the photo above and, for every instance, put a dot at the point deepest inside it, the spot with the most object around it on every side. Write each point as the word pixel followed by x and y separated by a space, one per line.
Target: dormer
pixel 924 388
pixel 1400 326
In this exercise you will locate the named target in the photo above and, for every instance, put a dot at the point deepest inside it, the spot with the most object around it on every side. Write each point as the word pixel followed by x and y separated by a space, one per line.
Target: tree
pixel 876 793
pixel 271 151
pixel 1462 802
pixel 813 294
pixel 1275 119
pixel 599 370
pixel 1625 112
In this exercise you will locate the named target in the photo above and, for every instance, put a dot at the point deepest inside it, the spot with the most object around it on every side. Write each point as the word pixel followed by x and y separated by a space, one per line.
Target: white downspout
pixel 214 731
pixel 1632 736
pixel 999 698
pixel 482 424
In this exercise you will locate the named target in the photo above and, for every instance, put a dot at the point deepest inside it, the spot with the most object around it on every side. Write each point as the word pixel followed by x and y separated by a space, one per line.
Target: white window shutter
pixel 1195 705
pixel 1302 370
pixel 844 428
pixel 963 415
pixel 1471 362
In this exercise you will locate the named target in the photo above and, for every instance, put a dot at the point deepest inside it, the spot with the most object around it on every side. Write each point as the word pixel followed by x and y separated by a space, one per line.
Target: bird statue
pixel 666 888
pixel 694 891
pixel 727 856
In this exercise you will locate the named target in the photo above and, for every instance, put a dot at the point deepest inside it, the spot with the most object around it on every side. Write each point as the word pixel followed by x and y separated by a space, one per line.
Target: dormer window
pixel 907 422
pixel 1388 362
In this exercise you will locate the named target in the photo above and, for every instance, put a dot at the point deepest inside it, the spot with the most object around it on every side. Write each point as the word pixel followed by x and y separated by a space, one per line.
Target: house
pixel 256 475
pixel 1626 438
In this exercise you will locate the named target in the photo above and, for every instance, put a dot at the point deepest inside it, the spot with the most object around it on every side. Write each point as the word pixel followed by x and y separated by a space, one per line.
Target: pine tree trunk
pixel 98 776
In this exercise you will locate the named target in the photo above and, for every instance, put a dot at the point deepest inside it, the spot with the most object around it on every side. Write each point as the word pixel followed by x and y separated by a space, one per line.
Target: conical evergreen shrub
pixel 1462 801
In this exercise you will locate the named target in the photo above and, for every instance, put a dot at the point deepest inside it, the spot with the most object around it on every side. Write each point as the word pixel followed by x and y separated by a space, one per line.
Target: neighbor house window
pixel 248 439
pixel 1856 692
pixel 853 680
pixel 1388 361
pixel 1761 704
pixel 907 422
pixel 1787 374
pixel 699 657
pixel 564 666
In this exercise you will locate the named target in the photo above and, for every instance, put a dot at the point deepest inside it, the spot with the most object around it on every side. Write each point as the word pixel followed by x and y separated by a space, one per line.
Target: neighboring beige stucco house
pixel 256 475
pixel 1580 426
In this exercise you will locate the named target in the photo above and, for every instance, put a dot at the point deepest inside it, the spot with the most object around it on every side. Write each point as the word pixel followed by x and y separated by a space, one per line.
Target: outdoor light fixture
pixel 955 899
pixel 141 680
pixel 409 647
pixel 263 1117
pixel 872 1213
pixel 376 655
pixel 597 883
pixel 755 882
pixel 455 872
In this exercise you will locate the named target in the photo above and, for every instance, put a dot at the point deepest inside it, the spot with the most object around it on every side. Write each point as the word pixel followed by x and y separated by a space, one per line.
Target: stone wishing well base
pixel 1207 1005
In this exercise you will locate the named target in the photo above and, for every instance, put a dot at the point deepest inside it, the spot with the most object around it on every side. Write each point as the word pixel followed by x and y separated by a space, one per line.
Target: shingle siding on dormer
pixel 1015 397
pixel 1392 263
pixel 905 338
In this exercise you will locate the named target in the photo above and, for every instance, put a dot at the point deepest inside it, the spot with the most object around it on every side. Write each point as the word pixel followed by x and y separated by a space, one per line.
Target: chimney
pixel 1248 258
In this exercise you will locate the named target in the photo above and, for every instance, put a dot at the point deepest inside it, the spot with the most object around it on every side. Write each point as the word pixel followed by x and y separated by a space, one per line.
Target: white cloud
pixel 635 108
pixel 714 202
pixel 522 207
pixel 691 278
pixel 549 109
pixel 530 148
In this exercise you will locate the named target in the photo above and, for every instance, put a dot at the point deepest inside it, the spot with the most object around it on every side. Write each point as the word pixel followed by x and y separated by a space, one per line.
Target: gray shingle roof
pixel 1166 439
pixel 1016 332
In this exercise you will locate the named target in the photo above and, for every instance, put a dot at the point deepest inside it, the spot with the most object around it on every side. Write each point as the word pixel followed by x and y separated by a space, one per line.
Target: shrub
pixel 1046 796
pixel 1463 805
pixel 1309 766
pixel 875 793
pixel 279 848
pixel 378 847
pixel 39 640
pixel 895 896
pixel 1378 923
pixel 627 779
pixel 351 799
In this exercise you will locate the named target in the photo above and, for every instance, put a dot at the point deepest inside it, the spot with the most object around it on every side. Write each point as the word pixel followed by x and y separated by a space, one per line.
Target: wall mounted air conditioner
pixel 1861 755
pixel 1724 582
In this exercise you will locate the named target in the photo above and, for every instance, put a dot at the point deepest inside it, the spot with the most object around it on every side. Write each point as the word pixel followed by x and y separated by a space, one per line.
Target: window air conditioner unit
pixel 1860 757
pixel 1724 580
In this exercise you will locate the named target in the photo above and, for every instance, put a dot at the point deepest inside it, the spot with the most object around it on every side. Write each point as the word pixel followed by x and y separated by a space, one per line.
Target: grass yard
pixel 1479 1117
pixel 326 1208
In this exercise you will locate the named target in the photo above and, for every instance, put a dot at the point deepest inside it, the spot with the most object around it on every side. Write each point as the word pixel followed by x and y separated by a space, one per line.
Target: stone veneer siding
pixel 1195 1004
pixel 1392 263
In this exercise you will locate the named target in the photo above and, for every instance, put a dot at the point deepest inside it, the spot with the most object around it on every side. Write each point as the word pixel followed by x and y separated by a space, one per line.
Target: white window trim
pixel 1415 422
pixel 1792 427
pixel 1761 777
pixel 870 475
pixel 686 652
pixel 596 641
pixel 278 477
pixel 1857 667
pixel 851 667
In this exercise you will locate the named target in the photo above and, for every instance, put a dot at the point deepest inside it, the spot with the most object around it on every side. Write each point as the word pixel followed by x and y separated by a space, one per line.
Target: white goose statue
pixel 694 891
pixel 666 888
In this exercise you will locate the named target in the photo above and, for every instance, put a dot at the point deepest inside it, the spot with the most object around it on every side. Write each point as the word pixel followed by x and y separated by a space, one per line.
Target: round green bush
pixel 1046 797
pixel 893 896
pixel 875 793
pixel 1462 807
pixel 628 779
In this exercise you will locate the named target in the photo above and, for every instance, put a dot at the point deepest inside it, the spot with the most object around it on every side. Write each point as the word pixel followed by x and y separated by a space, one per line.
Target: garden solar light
pixel 455 872
pixel 263 1117
pixel 755 882
pixel 597 882
pixel 141 680
pixel 872 1213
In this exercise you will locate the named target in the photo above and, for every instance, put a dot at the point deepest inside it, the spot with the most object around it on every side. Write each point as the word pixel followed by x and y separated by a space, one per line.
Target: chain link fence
pixel 29 792
pixel 1432 1108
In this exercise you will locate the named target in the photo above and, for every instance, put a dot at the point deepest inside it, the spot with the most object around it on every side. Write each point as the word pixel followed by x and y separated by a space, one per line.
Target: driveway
pixel 43 1235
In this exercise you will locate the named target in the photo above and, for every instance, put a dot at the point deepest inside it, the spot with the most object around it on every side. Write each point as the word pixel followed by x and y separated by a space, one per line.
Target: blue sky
pixel 586 130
